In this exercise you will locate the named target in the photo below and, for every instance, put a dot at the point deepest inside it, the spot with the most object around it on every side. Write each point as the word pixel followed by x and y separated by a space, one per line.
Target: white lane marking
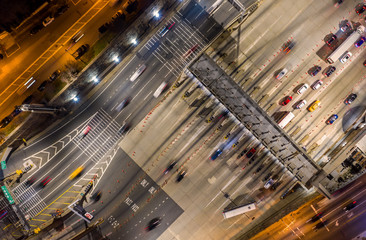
pixel 147 95
pixel 191 139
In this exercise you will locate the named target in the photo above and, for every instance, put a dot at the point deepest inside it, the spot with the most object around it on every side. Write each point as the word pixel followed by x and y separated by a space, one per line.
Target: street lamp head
pixel 95 79
pixel 156 14
pixel 134 41
pixel 116 59
pixel 75 99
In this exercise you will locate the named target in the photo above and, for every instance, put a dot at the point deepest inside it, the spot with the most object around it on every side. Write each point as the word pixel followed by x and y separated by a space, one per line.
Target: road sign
pixel 3 165
pixel 7 194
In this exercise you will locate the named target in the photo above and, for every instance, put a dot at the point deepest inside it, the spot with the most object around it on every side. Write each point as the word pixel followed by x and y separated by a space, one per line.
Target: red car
pixel 287 100
pixel 45 181
pixel 251 153
pixel 190 51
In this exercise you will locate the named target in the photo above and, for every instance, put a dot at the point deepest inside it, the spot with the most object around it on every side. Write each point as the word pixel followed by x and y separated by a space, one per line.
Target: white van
pixel 160 89
pixel 139 71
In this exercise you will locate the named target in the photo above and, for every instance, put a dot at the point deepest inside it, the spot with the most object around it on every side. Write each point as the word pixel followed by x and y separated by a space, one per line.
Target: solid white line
pixel 147 95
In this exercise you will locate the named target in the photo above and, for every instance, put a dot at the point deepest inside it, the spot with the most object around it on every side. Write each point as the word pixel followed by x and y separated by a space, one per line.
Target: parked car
pixel 329 71
pixel 345 57
pixel 331 40
pixel 281 74
pixel 81 51
pixel 55 75
pixel 360 9
pixel 331 119
pixel 36 29
pixel 286 101
pixel 314 106
pixel 61 10
pixel 350 98
pixel 28 100
pixel 303 88
pixel 314 71
pixel 360 42
pixel 316 85
pixel 42 86
pixel 104 27
pixel 5 122
pixel 301 104
pixel 47 21
pixel 251 152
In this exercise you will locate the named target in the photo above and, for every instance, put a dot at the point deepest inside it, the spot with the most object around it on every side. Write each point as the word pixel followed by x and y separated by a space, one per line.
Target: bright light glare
pixel 75 99
pixel 116 59
pixel 156 14
pixel 134 41
pixel 95 79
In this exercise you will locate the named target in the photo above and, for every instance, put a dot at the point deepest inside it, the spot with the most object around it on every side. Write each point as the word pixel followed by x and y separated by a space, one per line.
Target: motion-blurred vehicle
pixel 47 21
pixel 303 88
pixel 318 226
pixel 316 85
pixel 350 206
pixel 3 214
pixel 166 29
pixel 30 181
pixel 76 173
pixel 181 175
pixel 345 57
pixel 85 132
pixel 139 71
pixel 15 112
pixel 315 70
pixel 251 153
pixel 315 217
pixel 332 119
pixel 360 42
pixel 170 167
pixel 160 89
pixel 286 101
pixel 153 223
pixel 281 74
pixel 123 104
pixel 350 98
pixel 242 153
pixel 96 196
pixel 287 47
pixel 301 104
pixel 216 154
pixel 125 127
pixel 329 71
pixel 190 51
pixel 338 2
pixel 314 106
pixel 54 75
pixel 45 181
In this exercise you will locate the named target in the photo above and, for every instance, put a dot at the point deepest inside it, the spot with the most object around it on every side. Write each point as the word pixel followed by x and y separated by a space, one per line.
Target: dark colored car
pixel 81 51
pixel 55 75
pixel 125 127
pixel 61 10
pixel 170 167
pixel 97 195
pixel 36 29
pixel 251 153
pixel 360 42
pixel 5 122
pixel 45 182
pixel 216 154
pixel 315 218
pixel 181 175
pixel 331 40
pixel 318 226
pixel 16 112
pixel 259 168
pixel 350 98
pixel 315 70
pixel 242 153
pixel 30 181
pixel 153 223
pixel 28 100
pixel 104 27
pixel 329 71
pixel 360 9
pixel 286 101
pixel 42 86
pixel 287 47
pixel 350 206
pixel 331 119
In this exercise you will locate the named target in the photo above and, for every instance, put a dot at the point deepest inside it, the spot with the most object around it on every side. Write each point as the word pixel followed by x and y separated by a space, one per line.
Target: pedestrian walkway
pixel 29 201
pixel 103 135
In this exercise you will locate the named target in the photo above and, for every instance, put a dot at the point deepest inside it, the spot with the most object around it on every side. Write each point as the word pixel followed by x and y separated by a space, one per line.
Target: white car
pixel 160 89
pixel 317 84
pixel 347 55
pixel 269 183
pixel 47 21
pixel 303 88
pixel 281 74
pixel 301 104
pixel 139 71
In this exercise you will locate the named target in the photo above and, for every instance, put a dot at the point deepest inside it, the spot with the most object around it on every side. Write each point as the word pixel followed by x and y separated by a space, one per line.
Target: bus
pixel 238 210
pixel 344 47
pixel 285 119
